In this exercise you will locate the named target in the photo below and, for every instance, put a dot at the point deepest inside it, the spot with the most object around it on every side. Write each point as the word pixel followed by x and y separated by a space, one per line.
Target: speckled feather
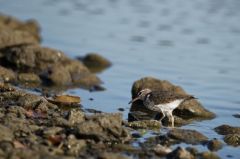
pixel 164 97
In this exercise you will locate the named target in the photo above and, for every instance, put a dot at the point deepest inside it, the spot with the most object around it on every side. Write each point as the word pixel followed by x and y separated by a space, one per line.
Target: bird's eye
pixel 139 93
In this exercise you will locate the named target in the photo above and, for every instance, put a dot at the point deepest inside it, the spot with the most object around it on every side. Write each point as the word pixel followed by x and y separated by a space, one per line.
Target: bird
pixel 161 101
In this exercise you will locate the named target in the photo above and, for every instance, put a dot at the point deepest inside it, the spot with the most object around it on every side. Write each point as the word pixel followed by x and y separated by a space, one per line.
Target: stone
pixel 227 129
pixel 145 124
pixel 103 127
pixel 75 116
pixel 6 75
pixel 232 139
pixel 214 145
pixel 191 109
pixel 95 62
pixel 208 155
pixel 6 134
pixel 187 136
pixel 10 38
pixel 28 78
pixel 162 150
pixel 180 153
pixel 11 23
pixel 51 65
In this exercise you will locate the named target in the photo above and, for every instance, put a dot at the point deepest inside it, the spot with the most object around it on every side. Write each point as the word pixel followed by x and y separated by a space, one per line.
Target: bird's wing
pixel 164 97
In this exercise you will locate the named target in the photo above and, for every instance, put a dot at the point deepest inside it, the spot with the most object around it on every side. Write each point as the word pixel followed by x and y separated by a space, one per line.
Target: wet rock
pixel 180 153
pixel 28 78
pixel 51 65
pixel 103 127
pixel 191 109
pixel 95 62
pixel 232 139
pixel 161 150
pixel 144 124
pixel 236 115
pixel 6 75
pixel 75 116
pixel 227 129
pixel 187 136
pixel 11 23
pixel 208 155
pixel 214 145
pixel 5 134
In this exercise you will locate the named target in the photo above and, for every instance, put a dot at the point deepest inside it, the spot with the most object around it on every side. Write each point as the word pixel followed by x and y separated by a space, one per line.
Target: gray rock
pixel 103 127
pixel 187 136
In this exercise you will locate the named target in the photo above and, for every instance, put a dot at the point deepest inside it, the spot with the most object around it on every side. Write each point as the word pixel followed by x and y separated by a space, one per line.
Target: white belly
pixel 169 107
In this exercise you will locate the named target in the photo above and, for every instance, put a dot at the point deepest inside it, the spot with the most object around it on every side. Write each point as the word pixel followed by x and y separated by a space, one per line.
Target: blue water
pixel 191 43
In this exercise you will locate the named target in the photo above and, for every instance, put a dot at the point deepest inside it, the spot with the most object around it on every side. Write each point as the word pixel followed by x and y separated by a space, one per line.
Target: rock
pixel 6 75
pixel 232 139
pixel 110 155
pixel 51 65
pixel 180 153
pixel 187 136
pixel 5 134
pixel 103 127
pixel 33 58
pixel 191 109
pixel 227 129
pixel 237 115
pixel 28 78
pixel 74 146
pixel 161 150
pixel 144 124
pixel 208 155
pixel 67 99
pixel 11 23
pixel 214 145
pixel 51 131
pixel 10 38
pixel 95 62
pixel 75 116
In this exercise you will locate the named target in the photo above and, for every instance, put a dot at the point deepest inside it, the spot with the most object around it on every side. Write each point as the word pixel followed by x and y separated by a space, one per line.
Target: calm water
pixel 192 43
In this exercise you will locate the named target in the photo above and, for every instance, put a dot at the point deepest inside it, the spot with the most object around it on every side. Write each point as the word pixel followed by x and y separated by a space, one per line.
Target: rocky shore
pixel 38 125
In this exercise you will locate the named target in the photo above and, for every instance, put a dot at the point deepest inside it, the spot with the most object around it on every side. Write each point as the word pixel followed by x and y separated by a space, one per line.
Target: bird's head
pixel 141 95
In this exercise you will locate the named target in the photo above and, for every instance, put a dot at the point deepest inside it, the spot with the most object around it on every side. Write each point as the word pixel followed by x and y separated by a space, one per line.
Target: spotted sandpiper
pixel 161 101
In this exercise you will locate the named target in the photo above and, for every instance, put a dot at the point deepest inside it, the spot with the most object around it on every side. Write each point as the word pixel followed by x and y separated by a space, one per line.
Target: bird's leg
pixel 172 120
pixel 170 117
pixel 163 115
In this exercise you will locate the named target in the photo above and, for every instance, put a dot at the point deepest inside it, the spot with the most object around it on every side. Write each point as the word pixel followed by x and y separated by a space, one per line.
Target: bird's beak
pixel 135 99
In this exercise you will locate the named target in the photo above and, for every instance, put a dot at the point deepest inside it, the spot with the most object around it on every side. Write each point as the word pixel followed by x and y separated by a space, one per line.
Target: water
pixel 191 43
